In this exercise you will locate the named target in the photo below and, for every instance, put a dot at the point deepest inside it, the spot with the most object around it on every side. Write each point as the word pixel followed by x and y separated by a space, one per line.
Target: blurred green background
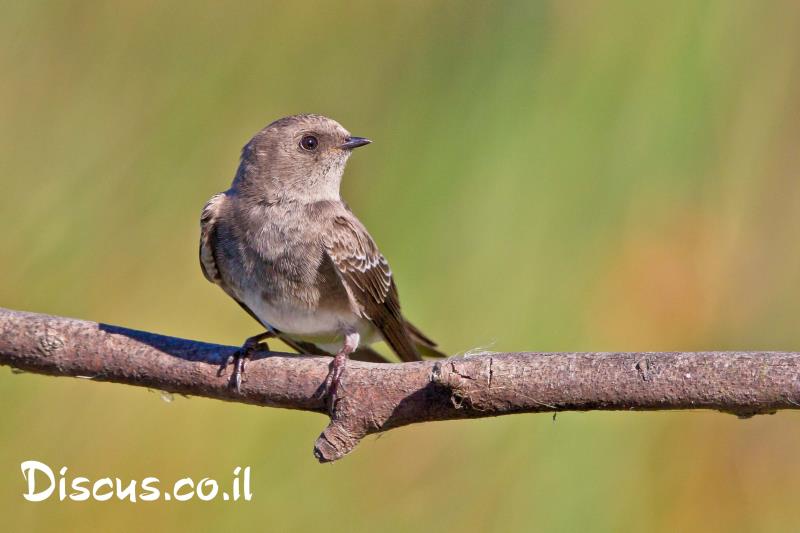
pixel 545 176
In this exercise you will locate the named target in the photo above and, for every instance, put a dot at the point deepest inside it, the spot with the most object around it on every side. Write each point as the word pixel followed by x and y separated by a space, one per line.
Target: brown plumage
pixel 283 245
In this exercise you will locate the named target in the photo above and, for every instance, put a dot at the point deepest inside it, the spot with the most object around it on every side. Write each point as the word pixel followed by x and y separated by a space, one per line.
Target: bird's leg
pixel 332 382
pixel 241 355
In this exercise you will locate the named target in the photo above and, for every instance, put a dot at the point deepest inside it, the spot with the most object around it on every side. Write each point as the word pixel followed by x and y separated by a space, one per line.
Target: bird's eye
pixel 309 142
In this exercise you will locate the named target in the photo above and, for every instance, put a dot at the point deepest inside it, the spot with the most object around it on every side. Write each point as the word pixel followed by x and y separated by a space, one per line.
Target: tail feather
pixel 425 345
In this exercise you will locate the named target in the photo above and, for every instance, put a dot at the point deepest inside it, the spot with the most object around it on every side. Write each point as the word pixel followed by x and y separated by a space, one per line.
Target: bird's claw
pixel 333 382
pixel 239 360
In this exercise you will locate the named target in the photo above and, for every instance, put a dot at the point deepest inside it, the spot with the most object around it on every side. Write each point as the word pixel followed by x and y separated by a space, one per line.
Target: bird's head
pixel 297 158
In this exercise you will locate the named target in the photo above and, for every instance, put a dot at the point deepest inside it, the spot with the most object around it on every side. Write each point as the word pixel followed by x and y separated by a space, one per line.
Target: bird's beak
pixel 354 142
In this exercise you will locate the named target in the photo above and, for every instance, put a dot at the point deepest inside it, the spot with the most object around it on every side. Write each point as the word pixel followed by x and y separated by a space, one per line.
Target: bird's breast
pixel 276 265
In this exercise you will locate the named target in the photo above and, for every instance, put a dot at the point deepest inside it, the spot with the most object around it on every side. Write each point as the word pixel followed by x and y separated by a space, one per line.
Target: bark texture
pixel 378 397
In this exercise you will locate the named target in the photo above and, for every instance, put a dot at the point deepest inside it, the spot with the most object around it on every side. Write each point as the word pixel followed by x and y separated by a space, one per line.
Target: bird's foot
pixel 333 382
pixel 332 386
pixel 240 357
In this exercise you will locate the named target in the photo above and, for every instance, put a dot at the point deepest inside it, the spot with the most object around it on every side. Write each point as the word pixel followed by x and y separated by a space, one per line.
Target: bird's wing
pixel 208 249
pixel 368 280
pixel 208 238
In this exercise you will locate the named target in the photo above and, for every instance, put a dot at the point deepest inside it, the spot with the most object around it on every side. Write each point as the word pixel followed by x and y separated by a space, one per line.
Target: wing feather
pixel 208 238
pixel 368 280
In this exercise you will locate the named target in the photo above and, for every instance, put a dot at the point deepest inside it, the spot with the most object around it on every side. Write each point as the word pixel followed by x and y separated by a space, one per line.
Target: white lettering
pixel 82 493
pixel 41 482
pixel 187 481
pixel 29 469
pixel 202 494
pixel 128 492
pixel 98 485
pixel 152 493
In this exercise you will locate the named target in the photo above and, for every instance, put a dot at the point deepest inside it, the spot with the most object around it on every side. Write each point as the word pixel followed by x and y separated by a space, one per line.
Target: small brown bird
pixel 282 244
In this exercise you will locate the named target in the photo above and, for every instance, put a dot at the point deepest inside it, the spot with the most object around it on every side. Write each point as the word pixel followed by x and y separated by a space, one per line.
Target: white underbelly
pixel 318 326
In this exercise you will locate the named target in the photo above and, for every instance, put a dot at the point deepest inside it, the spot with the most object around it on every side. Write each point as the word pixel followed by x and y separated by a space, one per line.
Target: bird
pixel 283 244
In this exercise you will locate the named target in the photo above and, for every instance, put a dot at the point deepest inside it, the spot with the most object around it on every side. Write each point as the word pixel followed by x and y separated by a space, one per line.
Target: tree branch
pixel 378 397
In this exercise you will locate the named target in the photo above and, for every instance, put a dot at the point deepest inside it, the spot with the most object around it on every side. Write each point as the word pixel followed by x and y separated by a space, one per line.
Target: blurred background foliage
pixel 545 176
